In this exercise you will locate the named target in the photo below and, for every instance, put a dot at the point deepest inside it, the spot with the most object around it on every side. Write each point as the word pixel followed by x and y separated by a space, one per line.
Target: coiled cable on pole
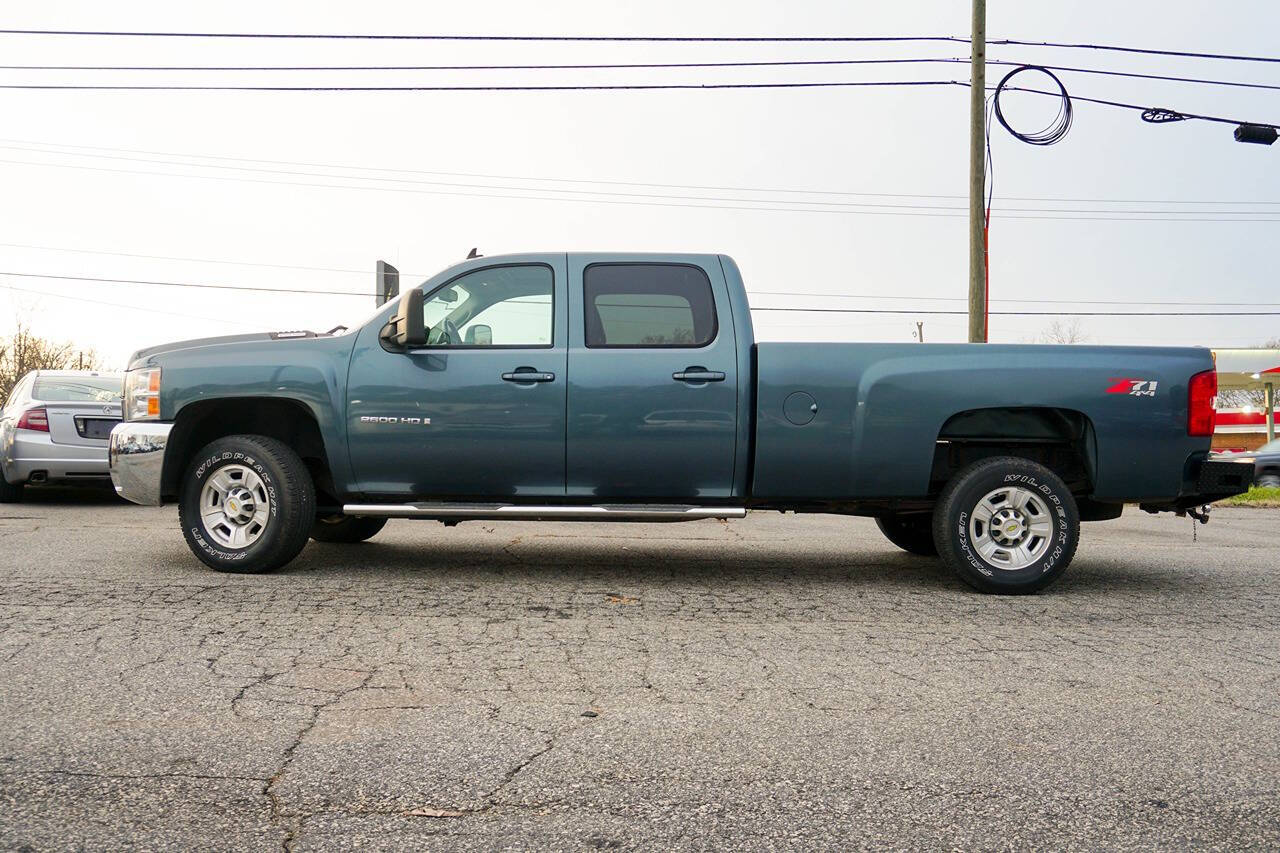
pixel 1057 127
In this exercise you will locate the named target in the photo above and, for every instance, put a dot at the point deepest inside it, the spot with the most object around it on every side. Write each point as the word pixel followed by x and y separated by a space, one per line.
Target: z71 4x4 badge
pixel 1133 387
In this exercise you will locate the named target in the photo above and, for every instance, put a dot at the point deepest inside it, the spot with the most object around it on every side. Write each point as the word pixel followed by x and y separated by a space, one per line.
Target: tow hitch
pixel 1201 514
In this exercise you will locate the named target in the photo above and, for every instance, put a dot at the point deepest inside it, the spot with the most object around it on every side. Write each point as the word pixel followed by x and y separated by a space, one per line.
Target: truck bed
pixel 881 410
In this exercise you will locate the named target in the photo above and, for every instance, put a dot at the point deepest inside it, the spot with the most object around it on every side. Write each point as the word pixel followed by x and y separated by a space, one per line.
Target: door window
pixel 510 306
pixel 648 305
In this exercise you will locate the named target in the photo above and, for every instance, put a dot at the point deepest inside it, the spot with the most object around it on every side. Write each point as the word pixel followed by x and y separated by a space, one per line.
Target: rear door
pixel 653 381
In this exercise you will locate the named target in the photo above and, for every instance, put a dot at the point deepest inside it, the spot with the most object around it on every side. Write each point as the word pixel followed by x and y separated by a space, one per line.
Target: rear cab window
pixel 648 305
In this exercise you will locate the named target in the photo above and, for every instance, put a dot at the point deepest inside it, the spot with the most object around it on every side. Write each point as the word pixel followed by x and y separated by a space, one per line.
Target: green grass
pixel 1255 497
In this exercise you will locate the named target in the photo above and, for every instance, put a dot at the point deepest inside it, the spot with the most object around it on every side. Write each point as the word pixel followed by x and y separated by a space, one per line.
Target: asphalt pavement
pixel 782 682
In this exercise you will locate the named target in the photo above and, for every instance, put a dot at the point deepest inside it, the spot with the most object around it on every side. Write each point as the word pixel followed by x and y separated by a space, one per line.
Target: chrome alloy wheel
pixel 1011 528
pixel 235 506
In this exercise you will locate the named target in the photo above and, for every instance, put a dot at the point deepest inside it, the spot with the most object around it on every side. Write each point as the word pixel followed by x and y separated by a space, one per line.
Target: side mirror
pixel 479 335
pixel 406 329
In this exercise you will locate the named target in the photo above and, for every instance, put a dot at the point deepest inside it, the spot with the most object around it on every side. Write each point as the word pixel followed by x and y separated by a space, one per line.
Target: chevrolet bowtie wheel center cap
pixel 1011 528
pixel 236 506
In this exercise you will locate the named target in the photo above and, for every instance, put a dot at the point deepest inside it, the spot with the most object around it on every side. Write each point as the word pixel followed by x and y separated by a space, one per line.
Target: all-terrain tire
pixel 1006 525
pixel 346 529
pixel 266 470
pixel 1269 480
pixel 911 533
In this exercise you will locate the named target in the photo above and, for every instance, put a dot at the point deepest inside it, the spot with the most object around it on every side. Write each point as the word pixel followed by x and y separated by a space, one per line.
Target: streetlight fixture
pixel 1259 134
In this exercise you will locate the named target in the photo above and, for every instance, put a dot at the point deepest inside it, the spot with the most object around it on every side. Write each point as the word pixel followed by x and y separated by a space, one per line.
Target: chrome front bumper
pixel 136 457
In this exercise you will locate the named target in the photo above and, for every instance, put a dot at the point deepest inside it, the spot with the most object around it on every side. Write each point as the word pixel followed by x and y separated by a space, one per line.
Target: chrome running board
pixel 494 512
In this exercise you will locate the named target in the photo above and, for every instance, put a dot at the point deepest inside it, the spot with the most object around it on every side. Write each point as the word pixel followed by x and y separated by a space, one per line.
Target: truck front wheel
pixel 247 504
pixel 911 533
pixel 1006 525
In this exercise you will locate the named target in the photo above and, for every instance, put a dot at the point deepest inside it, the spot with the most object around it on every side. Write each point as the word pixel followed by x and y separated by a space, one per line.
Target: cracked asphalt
pixel 782 682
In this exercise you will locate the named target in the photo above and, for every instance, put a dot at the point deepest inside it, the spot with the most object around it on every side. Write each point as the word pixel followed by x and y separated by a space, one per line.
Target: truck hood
pixel 252 337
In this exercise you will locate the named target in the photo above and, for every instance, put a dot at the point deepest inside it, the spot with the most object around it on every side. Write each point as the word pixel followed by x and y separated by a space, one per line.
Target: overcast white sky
pixel 900 141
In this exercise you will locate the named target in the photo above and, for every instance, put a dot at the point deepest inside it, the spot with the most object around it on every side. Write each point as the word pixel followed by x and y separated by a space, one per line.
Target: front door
pixel 653 390
pixel 480 410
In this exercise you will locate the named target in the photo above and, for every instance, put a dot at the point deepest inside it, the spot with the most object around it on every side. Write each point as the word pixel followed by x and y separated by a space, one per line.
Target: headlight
pixel 142 395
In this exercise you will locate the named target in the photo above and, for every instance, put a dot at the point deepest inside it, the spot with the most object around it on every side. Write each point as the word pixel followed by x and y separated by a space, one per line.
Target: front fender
pixel 310 372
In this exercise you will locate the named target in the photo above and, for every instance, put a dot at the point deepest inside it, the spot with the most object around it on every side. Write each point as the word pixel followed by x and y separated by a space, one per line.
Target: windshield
pixel 1270 447
pixel 79 389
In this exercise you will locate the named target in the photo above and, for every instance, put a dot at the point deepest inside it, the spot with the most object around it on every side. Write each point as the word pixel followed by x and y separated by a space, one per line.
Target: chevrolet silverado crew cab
pixel 630 387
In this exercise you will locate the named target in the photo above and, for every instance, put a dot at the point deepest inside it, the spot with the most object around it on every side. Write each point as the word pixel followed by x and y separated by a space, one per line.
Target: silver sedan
pixel 54 429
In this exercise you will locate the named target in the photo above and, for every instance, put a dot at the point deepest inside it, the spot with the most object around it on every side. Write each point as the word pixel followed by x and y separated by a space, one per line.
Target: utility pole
pixel 1269 401
pixel 977 176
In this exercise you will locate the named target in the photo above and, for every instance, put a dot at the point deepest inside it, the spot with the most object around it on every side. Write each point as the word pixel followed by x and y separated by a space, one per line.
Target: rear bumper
pixel 26 452
pixel 1224 479
pixel 136 453
pixel 1209 481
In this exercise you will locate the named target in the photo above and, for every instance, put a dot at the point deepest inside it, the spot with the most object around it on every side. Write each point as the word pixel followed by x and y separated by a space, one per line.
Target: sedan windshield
pixel 79 389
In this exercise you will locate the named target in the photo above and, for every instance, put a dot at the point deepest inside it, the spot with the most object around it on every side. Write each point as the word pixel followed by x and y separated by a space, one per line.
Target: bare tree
pixel 23 352
pixel 1063 332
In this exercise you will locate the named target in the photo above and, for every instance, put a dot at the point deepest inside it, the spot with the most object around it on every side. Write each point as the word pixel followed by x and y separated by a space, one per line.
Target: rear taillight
pixel 36 419
pixel 1202 395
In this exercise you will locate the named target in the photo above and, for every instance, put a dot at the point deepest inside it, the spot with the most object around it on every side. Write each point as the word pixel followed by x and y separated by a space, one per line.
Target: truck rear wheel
pixel 1006 525
pixel 911 533
pixel 247 504
pixel 346 528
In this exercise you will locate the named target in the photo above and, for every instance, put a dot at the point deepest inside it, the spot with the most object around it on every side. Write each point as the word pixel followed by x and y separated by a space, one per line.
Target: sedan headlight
pixel 142 395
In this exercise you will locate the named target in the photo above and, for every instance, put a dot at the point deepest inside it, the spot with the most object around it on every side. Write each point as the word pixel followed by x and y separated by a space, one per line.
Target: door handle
pixel 698 374
pixel 528 374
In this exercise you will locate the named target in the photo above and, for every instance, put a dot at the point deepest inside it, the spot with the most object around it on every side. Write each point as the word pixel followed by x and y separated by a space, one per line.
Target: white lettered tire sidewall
pixel 962 495
pixel 289 490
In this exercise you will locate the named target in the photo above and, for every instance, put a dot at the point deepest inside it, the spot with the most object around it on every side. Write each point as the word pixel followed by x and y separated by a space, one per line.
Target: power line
pixel 781 309
pixel 205 317
pixel 644 39
pixel 541 38
pixel 1031 313
pixel 369 271
pixel 807 294
pixel 1143 50
pixel 1074 69
pixel 613 66
pixel 1027 301
pixel 1169 115
pixel 540 67
pixel 1164 114
pixel 186 284
pixel 606 182
pixel 747 205
pixel 495 88
pixel 629 194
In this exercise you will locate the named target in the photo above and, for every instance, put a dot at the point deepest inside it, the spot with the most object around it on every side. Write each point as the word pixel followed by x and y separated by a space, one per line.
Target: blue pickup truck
pixel 630 387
